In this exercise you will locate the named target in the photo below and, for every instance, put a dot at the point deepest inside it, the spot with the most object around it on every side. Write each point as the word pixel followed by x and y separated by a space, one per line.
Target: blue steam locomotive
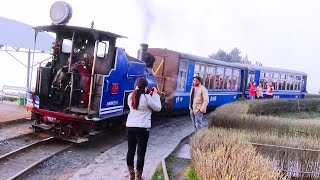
pixel 88 80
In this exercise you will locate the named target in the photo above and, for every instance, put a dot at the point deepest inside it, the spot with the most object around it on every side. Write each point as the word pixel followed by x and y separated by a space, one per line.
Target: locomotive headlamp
pixel 60 12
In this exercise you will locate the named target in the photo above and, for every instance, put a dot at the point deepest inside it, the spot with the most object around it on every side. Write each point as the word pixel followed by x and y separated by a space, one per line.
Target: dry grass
pixel 289 153
pixel 218 154
pixel 286 142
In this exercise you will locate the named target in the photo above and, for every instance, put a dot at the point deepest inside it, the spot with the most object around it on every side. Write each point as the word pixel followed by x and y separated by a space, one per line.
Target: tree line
pixel 233 56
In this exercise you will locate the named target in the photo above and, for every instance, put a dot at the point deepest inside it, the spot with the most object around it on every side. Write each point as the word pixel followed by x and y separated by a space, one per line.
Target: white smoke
pixel 148 16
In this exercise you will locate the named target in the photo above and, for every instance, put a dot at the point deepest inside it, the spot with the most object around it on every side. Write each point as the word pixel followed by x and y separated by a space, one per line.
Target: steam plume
pixel 148 16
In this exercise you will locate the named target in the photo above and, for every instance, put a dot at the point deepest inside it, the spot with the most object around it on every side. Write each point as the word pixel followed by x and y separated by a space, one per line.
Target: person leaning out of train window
pixel 138 123
pixel 252 91
pixel 259 92
pixel 269 91
pixel 198 103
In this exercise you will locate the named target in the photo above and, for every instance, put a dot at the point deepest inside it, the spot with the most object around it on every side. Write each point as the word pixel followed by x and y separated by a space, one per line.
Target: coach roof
pixel 210 60
pixel 279 70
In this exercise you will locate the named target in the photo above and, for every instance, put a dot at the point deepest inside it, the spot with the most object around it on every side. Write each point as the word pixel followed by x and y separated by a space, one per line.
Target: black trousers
pixel 137 136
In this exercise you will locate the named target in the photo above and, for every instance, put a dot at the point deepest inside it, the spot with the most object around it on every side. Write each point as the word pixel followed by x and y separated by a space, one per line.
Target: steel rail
pixel 25 171
pixel 25 147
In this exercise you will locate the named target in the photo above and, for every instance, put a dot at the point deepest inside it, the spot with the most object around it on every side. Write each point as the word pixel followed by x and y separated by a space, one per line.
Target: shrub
pixel 312 96
pixel 278 106
pixel 236 115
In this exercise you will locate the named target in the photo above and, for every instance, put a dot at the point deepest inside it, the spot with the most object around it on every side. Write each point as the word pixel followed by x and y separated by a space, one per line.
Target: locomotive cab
pixel 79 57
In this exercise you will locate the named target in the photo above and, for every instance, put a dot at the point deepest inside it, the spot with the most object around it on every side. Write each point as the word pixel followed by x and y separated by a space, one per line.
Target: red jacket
pixel 252 91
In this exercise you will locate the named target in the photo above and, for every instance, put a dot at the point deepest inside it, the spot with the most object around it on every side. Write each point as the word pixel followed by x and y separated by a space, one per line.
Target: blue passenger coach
pixel 286 83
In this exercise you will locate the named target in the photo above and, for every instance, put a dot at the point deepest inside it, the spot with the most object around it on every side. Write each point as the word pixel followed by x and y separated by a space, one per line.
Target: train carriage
pixel 175 72
pixel 286 83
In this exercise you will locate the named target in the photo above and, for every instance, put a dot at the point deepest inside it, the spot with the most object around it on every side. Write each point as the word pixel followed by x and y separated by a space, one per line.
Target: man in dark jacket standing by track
pixel 198 103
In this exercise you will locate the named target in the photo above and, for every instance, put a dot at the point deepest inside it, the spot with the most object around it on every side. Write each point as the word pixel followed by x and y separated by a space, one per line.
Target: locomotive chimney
pixel 142 54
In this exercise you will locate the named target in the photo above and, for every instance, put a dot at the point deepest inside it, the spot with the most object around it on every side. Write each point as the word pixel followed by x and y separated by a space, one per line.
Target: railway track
pixel 15 164
pixel 11 144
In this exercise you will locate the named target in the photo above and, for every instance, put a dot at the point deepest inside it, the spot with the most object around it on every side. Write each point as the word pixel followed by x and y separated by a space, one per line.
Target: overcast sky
pixel 278 33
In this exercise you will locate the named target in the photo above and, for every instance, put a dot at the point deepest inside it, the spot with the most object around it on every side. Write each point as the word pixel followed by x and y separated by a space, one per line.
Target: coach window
pixel 284 85
pixel 298 78
pixel 235 79
pixel 280 82
pixel 263 83
pixel 291 80
pixel 267 75
pixel 227 78
pixel 283 76
pixel 250 79
pixel 182 76
pixel 275 80
pixel 288 85
pixel 219 77
pixel 210 77
pixel 275 84
pixel 297 86
pixel 199 70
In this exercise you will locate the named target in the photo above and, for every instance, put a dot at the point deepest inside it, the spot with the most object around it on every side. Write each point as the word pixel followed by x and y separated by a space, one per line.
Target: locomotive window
pixel 182 75
pixel 102 49
pixel 66 46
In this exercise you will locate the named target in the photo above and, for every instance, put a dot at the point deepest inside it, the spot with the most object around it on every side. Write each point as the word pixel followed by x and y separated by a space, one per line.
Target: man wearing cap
pixel 199 100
